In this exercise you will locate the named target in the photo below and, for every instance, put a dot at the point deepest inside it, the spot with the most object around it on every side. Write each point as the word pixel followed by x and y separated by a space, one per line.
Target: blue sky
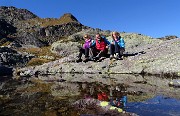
pixel 155 18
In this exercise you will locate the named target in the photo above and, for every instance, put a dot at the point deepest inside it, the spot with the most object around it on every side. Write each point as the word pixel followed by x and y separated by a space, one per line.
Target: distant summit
pixel 12 15
pixel 45 22
pixel 68 17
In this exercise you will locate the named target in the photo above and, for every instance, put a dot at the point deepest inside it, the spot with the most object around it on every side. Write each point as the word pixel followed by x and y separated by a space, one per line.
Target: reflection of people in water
pixel 119 102
pixel 118 96
pixel 101 95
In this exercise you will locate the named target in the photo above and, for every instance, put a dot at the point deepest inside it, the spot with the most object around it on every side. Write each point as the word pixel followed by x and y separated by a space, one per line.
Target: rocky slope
pixel 5 30
pixel 13 15
pixel 20 27
pixel 143 55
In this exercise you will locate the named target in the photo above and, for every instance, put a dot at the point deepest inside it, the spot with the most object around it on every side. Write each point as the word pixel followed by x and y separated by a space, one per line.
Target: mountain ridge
pixel 29 29
pixel 33 30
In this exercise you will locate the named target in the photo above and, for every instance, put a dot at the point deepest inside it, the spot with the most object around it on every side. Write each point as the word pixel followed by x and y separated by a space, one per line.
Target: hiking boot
pixel 86 60
pixel 96 58
pixel 118 57
pixel 100 59
pixel 92 59
pixel 79 60
pixel 111 57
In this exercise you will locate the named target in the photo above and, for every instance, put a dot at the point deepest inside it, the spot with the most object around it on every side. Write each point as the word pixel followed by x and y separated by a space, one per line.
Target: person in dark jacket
pixel 100 47
pixel 117 46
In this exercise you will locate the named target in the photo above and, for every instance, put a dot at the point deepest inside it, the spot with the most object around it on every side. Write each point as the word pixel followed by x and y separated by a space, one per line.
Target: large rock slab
pixel 157 58
pixel 65 49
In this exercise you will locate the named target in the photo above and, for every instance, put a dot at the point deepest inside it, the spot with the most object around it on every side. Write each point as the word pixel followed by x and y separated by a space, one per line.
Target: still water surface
pixel 55 97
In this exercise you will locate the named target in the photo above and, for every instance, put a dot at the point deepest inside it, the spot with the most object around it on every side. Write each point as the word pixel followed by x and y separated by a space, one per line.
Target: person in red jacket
pixel 100 47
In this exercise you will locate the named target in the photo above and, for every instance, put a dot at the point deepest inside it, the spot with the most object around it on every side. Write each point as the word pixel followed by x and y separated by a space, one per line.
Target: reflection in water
pixel 116 95
pixel 34 97
pixel 72 98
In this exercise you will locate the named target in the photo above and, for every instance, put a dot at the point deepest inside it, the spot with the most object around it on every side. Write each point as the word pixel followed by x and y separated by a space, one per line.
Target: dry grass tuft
pixel 37 61
pixel 41 55
pixel 43 51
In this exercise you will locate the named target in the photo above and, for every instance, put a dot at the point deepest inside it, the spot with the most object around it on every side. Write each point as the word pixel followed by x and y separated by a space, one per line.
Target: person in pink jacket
pixel 85 48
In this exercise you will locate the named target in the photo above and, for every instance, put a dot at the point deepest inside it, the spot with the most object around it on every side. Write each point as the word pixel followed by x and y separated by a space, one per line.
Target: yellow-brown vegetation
pixel 44 22
pixel 6 43
pixel 43 51
pixel 37 61
pixel 39 52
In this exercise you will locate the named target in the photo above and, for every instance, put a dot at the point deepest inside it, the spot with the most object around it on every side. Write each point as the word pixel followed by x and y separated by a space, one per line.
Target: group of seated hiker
pixel 97 49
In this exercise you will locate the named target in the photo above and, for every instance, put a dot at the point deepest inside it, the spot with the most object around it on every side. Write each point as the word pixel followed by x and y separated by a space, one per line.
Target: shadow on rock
pixel 134 54
pixel 5 71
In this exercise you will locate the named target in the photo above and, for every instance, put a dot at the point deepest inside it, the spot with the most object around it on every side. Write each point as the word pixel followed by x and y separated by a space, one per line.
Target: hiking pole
pixel 99 54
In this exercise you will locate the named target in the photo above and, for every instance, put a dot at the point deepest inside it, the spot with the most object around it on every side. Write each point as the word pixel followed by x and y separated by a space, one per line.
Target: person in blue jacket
pixel 117 46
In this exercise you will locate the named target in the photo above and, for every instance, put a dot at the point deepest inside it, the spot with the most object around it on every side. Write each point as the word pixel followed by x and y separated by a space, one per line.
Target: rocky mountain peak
pixel 68 17
pixel 13 14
